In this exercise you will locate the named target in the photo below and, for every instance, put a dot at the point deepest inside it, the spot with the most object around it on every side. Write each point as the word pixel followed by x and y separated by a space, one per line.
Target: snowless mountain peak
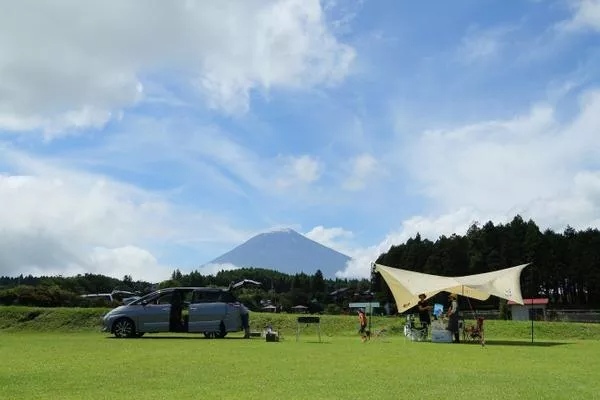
pixel 287 251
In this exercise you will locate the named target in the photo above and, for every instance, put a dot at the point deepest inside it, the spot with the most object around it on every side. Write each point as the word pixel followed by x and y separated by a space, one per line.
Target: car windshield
pixel 147 298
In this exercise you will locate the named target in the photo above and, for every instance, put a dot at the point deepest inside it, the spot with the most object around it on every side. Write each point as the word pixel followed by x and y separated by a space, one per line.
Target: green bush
pixel 43 296
pixel 333 309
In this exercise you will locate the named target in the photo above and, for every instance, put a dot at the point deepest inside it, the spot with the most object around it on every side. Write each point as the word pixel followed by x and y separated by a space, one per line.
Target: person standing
pixel 245 316
pixel 424 311
pixel 362 320
pixel 453 317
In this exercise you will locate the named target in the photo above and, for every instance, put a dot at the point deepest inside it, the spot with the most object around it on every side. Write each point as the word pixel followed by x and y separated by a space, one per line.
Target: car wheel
pixel 124 328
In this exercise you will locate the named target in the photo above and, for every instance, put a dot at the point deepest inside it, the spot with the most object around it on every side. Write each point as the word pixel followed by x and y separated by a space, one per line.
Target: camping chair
pixel 414 333
pixel 474 332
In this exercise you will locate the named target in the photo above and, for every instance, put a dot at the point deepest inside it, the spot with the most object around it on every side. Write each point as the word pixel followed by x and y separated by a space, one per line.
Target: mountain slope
pixel 286 251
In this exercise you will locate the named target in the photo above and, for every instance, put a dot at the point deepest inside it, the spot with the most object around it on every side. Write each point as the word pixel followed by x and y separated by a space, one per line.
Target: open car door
pixel 243 283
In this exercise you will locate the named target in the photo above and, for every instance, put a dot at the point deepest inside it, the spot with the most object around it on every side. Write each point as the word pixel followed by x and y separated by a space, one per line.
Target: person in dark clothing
pixel 176 314
pixel 453 317
pixel 424 309
pixel 362 320
pixel 245 316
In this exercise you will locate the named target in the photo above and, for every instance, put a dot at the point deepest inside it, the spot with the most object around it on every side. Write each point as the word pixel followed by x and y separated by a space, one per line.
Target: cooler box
pixel 272 337
pixel 441 336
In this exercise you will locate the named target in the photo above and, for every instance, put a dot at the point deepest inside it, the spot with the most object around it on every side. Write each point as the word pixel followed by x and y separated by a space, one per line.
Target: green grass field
pixel 60 354
pixel 95 366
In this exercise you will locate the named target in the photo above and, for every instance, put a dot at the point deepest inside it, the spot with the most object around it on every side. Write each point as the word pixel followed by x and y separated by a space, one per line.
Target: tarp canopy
pixel 407 285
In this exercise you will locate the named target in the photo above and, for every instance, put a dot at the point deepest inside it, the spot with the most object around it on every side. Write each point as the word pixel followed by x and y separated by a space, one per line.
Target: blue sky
pixel 145 136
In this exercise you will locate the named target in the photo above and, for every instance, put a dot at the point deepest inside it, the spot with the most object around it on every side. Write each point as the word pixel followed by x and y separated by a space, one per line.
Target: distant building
pixel 531 309
pixel 300 309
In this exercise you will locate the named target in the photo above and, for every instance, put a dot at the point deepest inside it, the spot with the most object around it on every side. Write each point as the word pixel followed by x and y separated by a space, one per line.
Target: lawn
pixel 84 365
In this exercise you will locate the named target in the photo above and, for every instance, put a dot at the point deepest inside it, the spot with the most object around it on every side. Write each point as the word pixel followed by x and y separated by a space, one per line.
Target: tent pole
pixel 371 294
pixel 531 315
pixel 531 320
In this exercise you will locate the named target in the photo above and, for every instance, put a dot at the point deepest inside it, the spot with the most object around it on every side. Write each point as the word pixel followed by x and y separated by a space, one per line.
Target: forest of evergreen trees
pixel 565 268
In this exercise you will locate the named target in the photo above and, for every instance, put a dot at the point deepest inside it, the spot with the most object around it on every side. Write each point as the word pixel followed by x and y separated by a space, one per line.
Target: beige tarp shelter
pixel 407 285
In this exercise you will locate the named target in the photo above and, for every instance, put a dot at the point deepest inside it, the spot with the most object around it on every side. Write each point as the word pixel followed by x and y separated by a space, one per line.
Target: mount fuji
pixel 285 251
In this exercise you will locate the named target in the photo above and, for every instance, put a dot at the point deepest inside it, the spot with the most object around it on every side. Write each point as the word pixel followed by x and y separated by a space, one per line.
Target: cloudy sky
pixel 141 136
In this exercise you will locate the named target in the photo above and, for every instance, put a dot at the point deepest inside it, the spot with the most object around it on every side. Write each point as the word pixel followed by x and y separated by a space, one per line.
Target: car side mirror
pixel 144 302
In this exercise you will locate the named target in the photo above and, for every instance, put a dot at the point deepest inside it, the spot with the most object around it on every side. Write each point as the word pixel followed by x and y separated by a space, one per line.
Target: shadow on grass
pixel 180 338
pixel 311 341
pixel 518 343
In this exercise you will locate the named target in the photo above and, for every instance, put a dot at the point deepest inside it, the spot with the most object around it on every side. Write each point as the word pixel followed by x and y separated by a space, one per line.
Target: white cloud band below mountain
pixel 530 165
pixel 58 221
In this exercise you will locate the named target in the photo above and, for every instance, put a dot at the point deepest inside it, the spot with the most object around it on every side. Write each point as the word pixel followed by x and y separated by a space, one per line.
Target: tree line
pixel 565 267
pixel 281 290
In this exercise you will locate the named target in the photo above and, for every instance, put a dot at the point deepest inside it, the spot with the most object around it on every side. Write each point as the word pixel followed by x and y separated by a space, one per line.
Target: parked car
pixel 210 311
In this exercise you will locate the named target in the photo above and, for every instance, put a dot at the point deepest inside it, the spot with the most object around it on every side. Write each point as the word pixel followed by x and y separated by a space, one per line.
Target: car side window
pixel 227 297
pixel 164 298
pixel 186 297
pixel 203 296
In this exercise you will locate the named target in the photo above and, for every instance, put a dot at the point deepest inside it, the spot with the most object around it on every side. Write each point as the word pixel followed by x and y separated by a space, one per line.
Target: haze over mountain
pixel 285 251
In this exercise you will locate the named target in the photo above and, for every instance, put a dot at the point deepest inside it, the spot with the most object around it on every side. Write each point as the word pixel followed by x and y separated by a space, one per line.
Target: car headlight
pixel 107 315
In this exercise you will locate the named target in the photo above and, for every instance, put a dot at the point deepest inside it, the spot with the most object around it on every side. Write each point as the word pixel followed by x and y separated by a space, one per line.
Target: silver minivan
pixel 210 311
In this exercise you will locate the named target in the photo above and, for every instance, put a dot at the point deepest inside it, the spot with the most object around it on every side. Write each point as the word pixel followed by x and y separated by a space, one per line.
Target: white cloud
pixel 586 15
pixel 54 220
pixel 298 170
pixel 334 238
pixel 76 65
pixel 511 166
pixel 193 157
pixel 428 227
pixel 481 45
pixel 207 153
pixel 213 269
pixel 478 47
pixel 115 262
pixel 264 173
pixel 530 165
pixel 361 170
pixel 130 260
pixel 491 164
pixel 344 13
pixel 305 168
pixel 84 117
pixel 65 225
